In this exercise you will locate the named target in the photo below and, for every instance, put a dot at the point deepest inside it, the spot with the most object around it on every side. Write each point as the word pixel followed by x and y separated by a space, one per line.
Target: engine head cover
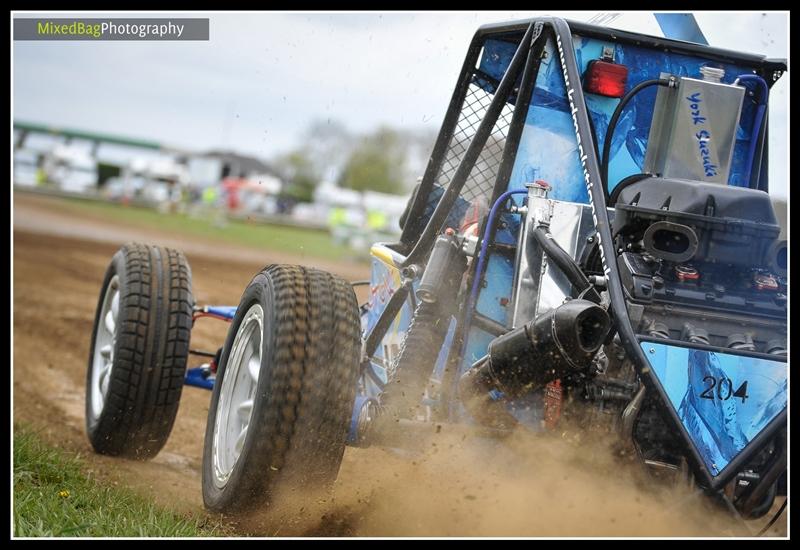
pixel 678 220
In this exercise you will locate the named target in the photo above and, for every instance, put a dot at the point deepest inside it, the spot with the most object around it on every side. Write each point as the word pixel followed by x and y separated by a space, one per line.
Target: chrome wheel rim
pixel 104 343
pixel 237 394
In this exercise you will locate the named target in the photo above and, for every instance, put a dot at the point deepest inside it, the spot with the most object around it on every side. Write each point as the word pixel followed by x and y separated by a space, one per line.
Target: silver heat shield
pixel 694 130
pixel 540 286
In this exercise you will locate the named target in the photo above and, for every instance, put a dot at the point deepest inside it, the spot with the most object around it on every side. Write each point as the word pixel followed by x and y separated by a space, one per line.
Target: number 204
pixel 724 389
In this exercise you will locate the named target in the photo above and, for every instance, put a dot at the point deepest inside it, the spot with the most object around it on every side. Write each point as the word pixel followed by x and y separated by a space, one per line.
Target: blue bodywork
pixel 548 146
pixel 723 400
pixel 548 151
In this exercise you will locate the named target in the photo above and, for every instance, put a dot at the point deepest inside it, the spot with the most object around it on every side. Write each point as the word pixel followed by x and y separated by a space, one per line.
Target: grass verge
pixel 54 498
pixel 312 243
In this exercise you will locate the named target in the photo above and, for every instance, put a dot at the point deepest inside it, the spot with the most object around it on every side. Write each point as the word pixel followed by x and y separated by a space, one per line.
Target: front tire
pixel 284 391
pixel 140 345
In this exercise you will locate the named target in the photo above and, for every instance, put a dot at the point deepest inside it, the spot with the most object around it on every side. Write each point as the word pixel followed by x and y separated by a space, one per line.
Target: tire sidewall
pixel 115 267
pixel 259 291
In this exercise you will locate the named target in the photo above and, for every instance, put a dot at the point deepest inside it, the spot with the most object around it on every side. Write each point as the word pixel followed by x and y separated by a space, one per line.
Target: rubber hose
pixel 612 124
pixel 565 263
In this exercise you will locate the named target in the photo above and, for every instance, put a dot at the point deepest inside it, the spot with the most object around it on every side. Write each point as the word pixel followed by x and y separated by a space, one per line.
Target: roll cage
pixel 468 162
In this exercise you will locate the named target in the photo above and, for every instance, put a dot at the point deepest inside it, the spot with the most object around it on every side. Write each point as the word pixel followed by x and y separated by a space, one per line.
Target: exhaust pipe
pixel 560 341
pixel 629 416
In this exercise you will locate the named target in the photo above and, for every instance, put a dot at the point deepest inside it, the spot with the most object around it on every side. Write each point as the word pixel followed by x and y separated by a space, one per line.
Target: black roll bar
pixel 476 145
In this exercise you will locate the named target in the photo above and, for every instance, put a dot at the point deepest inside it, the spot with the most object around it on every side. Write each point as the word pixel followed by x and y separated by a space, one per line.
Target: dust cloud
pixel 560 484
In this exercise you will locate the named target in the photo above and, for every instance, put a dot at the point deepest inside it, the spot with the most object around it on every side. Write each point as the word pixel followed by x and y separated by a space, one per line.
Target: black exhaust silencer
pixel 560 341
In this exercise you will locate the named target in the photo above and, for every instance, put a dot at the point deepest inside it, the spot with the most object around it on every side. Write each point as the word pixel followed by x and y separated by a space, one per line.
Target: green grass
pixel 309 242
pixel 53 498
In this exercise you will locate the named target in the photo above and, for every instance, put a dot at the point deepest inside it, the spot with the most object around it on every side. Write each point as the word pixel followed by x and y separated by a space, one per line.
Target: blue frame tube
pixel 227 312
pixel 195 377
pixel 759 119
pixel 476 280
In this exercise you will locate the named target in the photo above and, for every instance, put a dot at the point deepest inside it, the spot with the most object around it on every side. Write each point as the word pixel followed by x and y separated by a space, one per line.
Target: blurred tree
pixel 329 143
pixel 385 160
pixel 377 163
pixel 299 175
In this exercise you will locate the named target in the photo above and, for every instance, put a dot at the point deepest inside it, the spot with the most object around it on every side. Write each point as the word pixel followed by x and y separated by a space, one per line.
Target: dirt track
pixel 56 281
pixel 448 490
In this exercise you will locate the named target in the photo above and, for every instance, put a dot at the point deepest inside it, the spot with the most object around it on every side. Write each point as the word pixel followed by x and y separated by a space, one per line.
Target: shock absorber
pixel 437 294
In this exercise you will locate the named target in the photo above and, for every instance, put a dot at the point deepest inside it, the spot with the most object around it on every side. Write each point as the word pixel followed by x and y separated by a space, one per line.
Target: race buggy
pixel 593 237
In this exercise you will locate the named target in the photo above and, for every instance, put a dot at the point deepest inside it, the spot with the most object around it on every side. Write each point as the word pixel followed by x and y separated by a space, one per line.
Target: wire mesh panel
pixel 481 180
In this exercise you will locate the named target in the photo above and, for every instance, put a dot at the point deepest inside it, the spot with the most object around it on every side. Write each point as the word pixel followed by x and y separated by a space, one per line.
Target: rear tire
pixel 285 388
pixel 140 344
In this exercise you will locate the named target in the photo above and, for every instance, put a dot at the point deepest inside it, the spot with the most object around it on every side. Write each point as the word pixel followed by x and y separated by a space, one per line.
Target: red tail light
pixel 605 78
